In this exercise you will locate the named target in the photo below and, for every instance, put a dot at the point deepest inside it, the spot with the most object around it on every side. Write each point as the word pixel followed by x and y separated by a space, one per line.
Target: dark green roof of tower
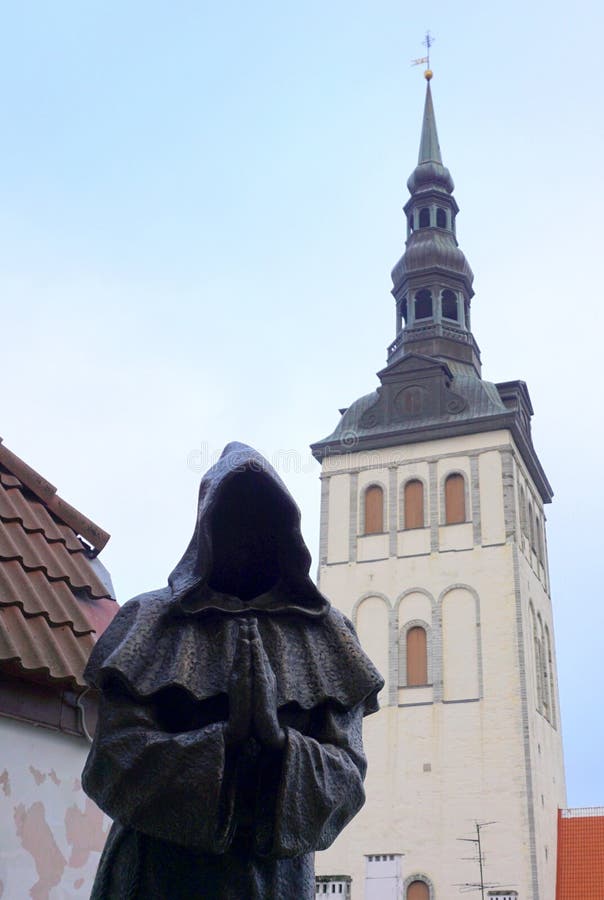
pixel 429 148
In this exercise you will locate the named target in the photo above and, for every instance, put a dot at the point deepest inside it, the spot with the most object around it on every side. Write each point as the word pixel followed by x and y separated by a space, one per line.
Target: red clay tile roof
pixel 580 854
pixel 53 604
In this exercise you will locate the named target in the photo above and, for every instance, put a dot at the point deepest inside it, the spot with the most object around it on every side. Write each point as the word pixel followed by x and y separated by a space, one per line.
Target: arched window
pixel 418 890
pixel 455 500
pixel 414 504
pixel 441 218
pixel 548 650
pixel 423 305
pixel 449 305
pixel 545 684
pixel 536 656
pixel 531 519
pixel 403 312
pixel 374 509
pixel 522 503
pixel 538 541
pixel 424 217
pixel 411 223
pixel 417 657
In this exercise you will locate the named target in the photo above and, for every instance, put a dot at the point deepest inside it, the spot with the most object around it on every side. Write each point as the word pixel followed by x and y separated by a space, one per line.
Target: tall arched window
pixel 449 305
pixel 374 509
pixel 522 503
pixel 538 541
pixel 455 500
pixel 423 305
pixel 418 890
pixel 417 657
pixel 414 504
pixel 545 686
pixel 548 650
pixel 531 522
pixel 424 217
pixel 441 218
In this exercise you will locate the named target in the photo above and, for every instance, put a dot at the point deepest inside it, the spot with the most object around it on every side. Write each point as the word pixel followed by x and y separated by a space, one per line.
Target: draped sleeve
pixel 316 788
pixel 176 786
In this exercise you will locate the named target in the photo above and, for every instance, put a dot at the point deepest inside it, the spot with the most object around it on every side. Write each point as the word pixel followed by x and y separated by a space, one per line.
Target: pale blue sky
pixel 200 207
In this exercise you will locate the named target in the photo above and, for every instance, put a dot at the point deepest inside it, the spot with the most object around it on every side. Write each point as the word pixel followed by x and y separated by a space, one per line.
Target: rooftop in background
pixel 56 597
pixel 580 854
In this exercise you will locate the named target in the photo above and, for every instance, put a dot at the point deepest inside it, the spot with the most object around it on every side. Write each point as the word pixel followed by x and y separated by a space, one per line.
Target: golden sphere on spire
pixel 428 74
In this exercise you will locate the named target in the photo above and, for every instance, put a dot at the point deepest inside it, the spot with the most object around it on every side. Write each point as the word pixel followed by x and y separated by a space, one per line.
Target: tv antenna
pixel 481 885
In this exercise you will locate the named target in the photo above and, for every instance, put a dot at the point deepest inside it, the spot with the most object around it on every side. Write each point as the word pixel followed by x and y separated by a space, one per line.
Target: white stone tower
pixel 433 543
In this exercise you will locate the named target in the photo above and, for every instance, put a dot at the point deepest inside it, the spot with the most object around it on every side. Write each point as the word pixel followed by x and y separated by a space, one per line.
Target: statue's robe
pixel 195 816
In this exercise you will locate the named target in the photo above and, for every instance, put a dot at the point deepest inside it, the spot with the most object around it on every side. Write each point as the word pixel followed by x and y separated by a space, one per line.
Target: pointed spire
pixel 429 148
pixel 432 281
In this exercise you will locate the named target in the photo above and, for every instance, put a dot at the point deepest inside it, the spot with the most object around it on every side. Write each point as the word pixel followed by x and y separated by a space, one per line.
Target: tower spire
pixel 429 148
pixel 433 280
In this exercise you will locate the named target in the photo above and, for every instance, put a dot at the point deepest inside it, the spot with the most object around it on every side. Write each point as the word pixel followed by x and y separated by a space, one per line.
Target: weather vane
pixel 425 60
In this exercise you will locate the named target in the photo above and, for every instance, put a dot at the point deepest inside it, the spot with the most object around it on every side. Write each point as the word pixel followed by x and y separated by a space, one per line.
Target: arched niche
pixel 460 645
pixel 371 619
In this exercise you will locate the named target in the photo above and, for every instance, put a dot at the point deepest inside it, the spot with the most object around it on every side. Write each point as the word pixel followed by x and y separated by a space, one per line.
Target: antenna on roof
pixel 425 60
pixel 481 885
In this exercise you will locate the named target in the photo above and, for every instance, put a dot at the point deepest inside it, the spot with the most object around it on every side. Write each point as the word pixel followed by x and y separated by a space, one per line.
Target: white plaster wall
pixel 491 498
pixel 435 768
pixel 421 452
pixel 547 762
pixel 372 628
pixel 460 620
pixel 339 518
pixel 414 605
pixel 51 833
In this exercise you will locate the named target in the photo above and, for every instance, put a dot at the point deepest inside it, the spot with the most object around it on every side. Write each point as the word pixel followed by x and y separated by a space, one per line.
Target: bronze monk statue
pixel 228 747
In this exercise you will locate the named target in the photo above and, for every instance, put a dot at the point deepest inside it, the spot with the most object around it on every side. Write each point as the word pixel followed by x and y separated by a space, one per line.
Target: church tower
pixel 433 543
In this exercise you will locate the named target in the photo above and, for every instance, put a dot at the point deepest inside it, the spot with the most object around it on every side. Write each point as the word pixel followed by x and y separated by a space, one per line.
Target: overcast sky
pixel 200 205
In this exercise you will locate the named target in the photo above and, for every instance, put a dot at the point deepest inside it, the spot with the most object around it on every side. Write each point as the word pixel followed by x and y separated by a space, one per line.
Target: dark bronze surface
pixel 229 742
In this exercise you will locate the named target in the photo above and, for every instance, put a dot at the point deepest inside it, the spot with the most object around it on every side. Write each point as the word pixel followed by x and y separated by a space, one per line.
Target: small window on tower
pixel 374 510
pixel 423 305
pixel 403 309
pixel 417 657
pixel 424 217
pixel 455 501
pixel 441 218
pixel 450 308
pixel 411 222
pixel 414 504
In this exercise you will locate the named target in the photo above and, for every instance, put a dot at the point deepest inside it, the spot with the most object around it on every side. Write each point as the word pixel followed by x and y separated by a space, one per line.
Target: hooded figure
pixel 229 745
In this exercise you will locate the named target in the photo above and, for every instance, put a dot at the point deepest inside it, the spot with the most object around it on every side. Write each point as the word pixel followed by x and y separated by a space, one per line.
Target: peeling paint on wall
pixel 37 838
pixel 85 832
pixel 39 777
pixel 51 834
pixel 5 782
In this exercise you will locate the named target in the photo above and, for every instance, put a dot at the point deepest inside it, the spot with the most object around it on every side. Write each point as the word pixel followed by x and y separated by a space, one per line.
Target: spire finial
pixel 425 60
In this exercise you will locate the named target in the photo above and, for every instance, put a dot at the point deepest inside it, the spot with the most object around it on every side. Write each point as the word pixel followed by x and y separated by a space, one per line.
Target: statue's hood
pixel 191 580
